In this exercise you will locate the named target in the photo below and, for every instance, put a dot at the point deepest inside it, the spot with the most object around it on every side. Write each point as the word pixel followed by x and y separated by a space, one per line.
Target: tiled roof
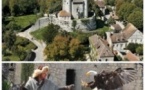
pixel 129 30
pixel 123 36
pixel 102 47
pixel 117 27
pixel 64 13
pixel 131 57
pixel 118 37
pixel 100 3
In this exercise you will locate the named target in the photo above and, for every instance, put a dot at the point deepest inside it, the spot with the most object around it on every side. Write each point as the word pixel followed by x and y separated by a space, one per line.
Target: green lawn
pixel 11 58
pixel 38 34
pixel 24 21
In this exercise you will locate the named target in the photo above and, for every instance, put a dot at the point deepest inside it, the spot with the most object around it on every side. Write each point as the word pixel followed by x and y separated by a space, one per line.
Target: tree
pixel 136 18
pixel 9 39
pixel 139 3
pixel 135 48
pixel 110 2
pixel 27 70
pixel 111 21
pixel 58 49
pixel 139 50
pixel 50 32
pixel 118 4
pixel 76 49
pixel 125 10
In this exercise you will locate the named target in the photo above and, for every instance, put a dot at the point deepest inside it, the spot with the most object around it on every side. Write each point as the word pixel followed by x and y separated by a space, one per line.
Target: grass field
pixel 24 21
pixel 38 34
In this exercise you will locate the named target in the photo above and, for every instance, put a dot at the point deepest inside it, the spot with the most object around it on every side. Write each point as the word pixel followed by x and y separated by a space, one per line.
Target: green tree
pixel 27 70
pixel 125 10
pixel 58 50
pixel 139 50
pixel 11 6
pixel 50 32
pixel 111 21
pixel 136 18
pixel 138 3
pixel 5 85
pixel 9 39
pixel 76 49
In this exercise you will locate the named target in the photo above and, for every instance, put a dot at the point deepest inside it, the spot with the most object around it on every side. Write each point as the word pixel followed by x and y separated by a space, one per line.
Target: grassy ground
pixel 24 21
pixel 38 33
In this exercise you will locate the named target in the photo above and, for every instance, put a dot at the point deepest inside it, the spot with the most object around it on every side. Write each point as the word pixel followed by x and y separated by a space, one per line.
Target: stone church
pixel 74 11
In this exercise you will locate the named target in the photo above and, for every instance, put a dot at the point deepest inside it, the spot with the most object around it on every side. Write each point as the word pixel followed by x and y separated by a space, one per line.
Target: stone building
pixel 130 34
pixel 100 50
pixel 74 11
pixel 75 8
pixel 65 74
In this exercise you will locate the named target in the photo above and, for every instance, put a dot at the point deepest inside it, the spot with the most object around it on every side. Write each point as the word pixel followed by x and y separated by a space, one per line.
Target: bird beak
pixel 88 74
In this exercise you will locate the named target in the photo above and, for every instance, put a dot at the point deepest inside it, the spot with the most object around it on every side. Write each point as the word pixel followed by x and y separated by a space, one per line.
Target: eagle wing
pixel 117 78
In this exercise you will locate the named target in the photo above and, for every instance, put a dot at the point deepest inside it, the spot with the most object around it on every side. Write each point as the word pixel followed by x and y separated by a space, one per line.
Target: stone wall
pixel 58 73
pixel 59 70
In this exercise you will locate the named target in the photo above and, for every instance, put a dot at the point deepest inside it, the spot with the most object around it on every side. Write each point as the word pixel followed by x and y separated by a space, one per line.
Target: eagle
pixel 110 80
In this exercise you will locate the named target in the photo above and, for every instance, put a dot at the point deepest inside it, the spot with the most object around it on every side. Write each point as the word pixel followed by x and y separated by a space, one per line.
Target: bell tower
pixel 67 5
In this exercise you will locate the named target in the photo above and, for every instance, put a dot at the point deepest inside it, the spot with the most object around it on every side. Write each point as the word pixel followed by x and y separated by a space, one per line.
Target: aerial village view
pixel 72 45
pixel 72 30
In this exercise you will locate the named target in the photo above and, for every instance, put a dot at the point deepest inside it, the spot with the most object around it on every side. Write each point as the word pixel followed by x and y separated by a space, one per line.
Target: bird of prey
pixel 110 80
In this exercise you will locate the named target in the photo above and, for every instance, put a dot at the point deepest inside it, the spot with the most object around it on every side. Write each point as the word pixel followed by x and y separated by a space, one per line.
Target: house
pixel 116 27
pixel 100 50
pixel 130 34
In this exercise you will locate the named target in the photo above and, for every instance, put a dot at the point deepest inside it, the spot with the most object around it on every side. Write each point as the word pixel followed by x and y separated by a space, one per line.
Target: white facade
pixel 77 8
pixel 137 37
pixel 119 46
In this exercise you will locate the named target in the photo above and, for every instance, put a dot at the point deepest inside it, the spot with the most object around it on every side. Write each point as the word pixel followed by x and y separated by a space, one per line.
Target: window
pixel 70 76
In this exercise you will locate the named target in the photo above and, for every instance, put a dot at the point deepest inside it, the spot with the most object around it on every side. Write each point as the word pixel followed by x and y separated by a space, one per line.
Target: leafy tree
pixel 111 21
pixel 5 85
pixel 58 49
pixel 135 48
pixel 27 70
pixel 138 3
pixel 110 2
pixel 76 49
pixel 9 38
pixel 136 18
pixel 139 50
pixel 118 4
pixel 125 10
pixel 11 6
pixel 50 33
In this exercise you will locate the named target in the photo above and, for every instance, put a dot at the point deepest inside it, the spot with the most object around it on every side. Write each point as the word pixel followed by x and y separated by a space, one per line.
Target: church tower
pixel 67 5
pixel 86 8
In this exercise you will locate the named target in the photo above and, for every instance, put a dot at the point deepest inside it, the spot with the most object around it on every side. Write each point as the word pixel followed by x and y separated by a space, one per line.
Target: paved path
pixel 42 22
